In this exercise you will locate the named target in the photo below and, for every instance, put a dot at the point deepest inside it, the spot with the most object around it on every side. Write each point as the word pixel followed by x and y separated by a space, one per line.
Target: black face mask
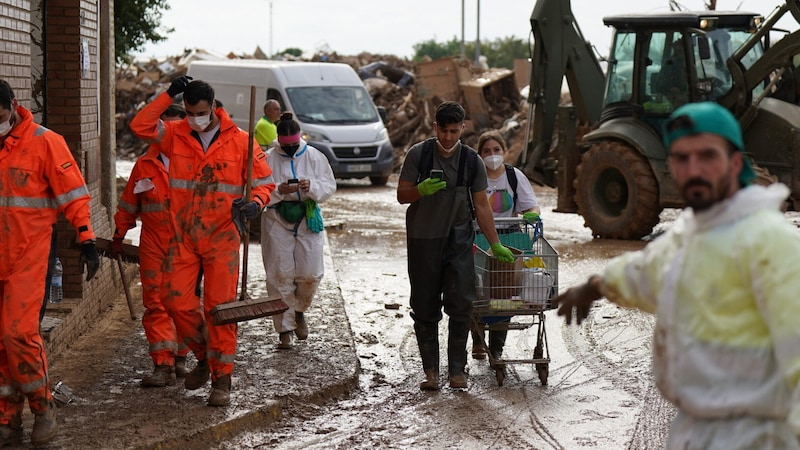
pixel 290 149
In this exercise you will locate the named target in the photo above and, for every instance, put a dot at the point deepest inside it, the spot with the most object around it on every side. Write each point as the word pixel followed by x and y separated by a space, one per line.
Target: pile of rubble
pixel 408 91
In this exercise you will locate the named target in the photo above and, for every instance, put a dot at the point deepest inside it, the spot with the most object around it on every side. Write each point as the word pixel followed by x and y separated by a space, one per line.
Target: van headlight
pixel 310 136
pixel 382 134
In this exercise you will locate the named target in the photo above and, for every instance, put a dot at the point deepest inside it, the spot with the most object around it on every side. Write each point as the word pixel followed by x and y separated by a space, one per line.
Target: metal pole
pixel 463 52
pixel 270 30
pixel 478 37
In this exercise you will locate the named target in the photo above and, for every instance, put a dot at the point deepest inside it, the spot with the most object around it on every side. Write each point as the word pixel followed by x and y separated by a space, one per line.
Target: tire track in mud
pixel 632 373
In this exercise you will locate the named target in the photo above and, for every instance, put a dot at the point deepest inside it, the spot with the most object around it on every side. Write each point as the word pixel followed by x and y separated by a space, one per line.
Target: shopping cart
pixel 514 296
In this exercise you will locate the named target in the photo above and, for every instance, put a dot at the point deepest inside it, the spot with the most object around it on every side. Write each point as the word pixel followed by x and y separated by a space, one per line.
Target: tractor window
pixel 666 83
pixel 620 68
pixel 711 51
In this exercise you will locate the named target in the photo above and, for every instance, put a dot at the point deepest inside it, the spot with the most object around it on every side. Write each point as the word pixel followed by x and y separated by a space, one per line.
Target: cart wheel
pixel 543 371
pixel 500 374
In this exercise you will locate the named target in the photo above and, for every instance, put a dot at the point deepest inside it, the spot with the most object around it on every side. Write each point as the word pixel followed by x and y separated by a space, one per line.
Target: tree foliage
pixel 137 22
pixel 499 53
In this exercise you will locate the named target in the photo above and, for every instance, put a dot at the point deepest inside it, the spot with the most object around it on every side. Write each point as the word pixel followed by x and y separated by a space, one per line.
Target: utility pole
pixel 270 30
pixel 463 52
pixel 478 37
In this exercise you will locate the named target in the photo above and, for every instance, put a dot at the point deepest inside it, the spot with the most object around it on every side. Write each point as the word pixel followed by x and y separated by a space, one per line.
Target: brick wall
pixel 66 33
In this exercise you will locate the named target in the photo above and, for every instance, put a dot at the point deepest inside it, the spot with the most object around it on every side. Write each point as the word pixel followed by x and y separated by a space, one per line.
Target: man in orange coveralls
pixel 207 175
pixel 146 196
pixel 38 178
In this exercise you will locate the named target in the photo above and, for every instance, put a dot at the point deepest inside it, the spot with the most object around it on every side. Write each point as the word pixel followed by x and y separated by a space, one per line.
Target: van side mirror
pixel 382 113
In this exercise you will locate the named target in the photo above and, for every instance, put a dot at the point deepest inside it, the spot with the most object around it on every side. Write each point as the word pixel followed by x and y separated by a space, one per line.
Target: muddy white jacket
pixel 725 289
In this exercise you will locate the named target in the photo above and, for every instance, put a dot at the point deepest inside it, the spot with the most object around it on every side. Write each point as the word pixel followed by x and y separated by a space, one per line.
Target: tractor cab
pixel 658 62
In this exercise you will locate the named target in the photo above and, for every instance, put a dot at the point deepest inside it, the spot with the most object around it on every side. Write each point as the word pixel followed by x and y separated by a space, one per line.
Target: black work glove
pixel 238 216
pixel 89 259
pixel 251 209
pixel 178 85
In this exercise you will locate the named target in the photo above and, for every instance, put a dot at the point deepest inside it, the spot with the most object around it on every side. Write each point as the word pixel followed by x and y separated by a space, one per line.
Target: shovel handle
pixel 126 287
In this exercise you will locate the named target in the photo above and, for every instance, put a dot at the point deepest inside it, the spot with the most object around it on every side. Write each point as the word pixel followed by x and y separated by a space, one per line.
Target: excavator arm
pixel 559 50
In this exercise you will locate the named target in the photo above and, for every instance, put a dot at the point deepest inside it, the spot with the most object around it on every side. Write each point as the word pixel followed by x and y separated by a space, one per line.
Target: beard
pixel 701 194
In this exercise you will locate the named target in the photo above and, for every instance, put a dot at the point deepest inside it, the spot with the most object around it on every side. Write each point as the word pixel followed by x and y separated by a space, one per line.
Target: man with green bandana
pixel 722 283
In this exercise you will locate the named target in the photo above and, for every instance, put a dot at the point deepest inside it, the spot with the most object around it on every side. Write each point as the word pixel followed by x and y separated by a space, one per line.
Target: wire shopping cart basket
pixel 514 296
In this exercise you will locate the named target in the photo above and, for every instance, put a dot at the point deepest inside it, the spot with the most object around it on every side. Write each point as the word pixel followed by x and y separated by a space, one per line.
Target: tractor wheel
pixel 616 192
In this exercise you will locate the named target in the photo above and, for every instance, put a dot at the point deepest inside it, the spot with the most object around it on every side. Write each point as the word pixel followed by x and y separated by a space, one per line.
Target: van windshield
pixel 332 104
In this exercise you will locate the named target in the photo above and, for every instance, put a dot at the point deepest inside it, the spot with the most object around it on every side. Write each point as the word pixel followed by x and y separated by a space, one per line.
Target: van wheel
pixel 379 181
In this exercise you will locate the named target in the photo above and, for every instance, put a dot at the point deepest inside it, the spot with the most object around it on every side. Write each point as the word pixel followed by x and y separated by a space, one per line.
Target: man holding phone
pixel 443 180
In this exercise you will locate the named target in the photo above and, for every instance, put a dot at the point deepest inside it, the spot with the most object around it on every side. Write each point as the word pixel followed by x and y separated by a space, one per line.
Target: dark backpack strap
pixel 512 181
pixel 426 159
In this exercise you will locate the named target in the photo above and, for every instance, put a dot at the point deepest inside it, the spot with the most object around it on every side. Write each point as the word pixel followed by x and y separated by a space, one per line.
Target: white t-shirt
pixel 501 196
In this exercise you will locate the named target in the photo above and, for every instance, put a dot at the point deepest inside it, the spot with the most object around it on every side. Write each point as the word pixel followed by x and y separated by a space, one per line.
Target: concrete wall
pixel 51 53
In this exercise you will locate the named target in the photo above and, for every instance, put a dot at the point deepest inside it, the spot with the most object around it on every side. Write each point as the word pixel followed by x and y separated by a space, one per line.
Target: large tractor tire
pixel 616 192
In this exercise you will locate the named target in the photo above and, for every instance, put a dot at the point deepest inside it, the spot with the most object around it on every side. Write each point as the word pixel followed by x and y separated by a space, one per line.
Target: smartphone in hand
pixel 293 181
pixel 437 174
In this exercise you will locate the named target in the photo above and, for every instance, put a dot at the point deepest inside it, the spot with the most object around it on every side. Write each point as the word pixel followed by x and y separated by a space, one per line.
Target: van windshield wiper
pixel 307 118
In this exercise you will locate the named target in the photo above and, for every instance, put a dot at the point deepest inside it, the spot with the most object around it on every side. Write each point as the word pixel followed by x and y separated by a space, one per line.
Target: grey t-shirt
pixel 434 216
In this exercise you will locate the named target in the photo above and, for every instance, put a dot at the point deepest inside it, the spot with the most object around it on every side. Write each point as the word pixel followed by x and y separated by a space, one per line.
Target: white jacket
pixel 725 288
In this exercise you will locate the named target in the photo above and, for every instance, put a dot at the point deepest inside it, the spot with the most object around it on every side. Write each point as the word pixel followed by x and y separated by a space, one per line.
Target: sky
pixel 349 27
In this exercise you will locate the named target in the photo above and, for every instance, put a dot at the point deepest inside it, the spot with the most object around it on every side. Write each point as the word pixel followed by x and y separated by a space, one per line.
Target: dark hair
pixel 6 94
pixel 198 90
pixel 448 113
pixel 286 125
pixel 491 135
pixel 174 110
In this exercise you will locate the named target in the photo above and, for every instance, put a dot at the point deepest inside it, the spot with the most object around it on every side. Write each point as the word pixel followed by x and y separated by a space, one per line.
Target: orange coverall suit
pixel 203 186
pixel 38 178
pixel 147 196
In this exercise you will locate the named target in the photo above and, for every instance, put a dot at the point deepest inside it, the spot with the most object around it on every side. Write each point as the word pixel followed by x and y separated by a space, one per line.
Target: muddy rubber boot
pixel 478 349
pixel 301 331
pixel 198 376
pixel 285 340
pixel 44 425
pixel 497 340
pixel 220 391
pixel 431 382
pixel 180 367
pixel 458 381
pixel 163 375
pixel 457 347
pixel 11 433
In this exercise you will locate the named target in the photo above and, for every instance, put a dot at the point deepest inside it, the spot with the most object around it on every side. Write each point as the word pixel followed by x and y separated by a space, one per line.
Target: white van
pixel 335 111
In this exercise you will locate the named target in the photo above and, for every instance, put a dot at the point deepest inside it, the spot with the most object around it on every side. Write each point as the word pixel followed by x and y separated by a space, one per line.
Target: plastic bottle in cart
pixel 56 283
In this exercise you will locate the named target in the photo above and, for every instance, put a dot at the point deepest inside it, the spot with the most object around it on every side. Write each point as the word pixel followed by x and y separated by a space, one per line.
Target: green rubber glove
pixel 310 206
pixel 530 217
pixel 503 254
pixel 430 186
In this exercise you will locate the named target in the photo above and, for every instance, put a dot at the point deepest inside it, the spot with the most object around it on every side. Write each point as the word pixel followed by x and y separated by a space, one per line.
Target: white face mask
pixel 199 123
pixel 5 127
pixel 493 161
pixel 448 150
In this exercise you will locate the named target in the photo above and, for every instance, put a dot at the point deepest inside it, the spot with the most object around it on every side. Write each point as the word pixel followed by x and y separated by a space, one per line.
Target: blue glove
pixel 502 253
pixel 313 217
pixel 89 259
pixel 178 85
pixel 530 217
pixel 430 186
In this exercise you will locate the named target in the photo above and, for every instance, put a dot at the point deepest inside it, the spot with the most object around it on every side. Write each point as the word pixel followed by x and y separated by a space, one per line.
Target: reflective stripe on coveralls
pixel 157 230
pixel 205 232
pixel 37 172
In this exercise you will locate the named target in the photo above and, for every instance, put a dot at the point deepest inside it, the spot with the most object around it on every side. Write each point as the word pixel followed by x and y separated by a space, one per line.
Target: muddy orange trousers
pixel 195 327
pixel 23 363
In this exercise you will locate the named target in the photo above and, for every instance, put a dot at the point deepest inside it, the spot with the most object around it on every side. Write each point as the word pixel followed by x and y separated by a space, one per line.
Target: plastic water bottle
pixel 56 285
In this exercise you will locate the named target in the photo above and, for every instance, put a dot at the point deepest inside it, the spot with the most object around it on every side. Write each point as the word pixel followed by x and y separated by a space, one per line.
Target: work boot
pixel 286 340
pixel 220 391
pixel 478 351
pixel 163 375
pixel 458 381
pixel 431 382
pixel 301 330
pixel 11 433
pixel 180 367
pixel 198 376
pixel 44 425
